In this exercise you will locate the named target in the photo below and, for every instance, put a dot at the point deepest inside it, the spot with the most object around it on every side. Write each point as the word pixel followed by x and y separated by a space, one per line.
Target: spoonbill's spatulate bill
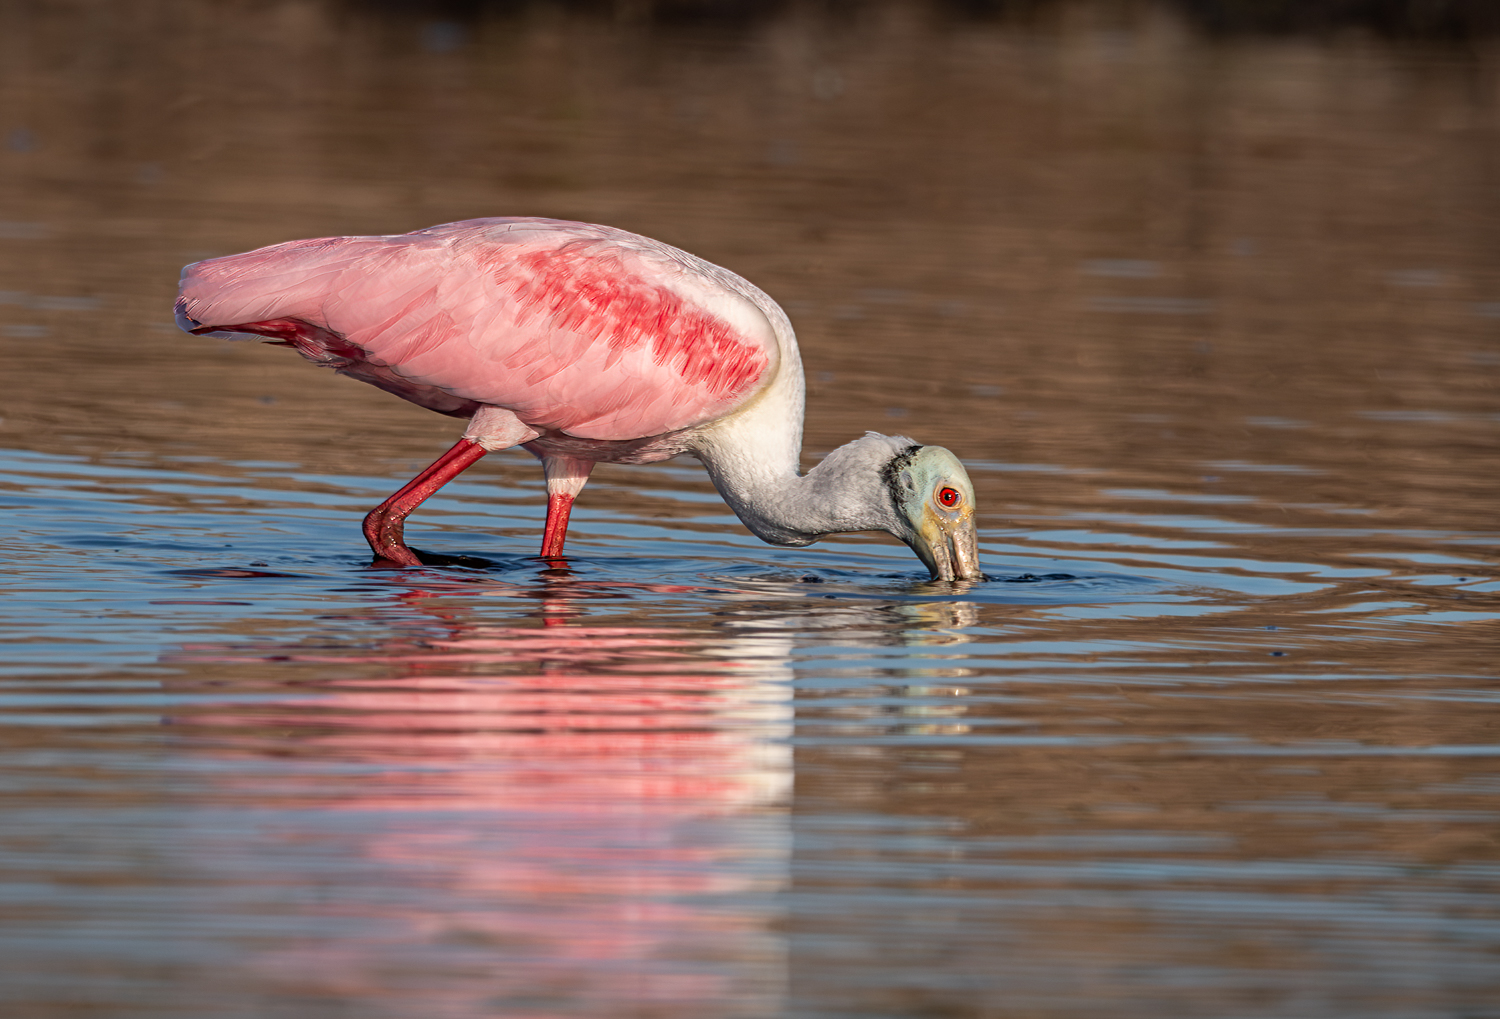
pixel 584 344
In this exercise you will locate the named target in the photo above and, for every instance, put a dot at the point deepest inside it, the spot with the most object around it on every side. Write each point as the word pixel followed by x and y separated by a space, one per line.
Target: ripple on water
pixel 441 752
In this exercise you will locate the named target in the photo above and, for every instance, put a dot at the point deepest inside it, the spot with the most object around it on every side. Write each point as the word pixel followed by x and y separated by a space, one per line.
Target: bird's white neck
pixel 753 459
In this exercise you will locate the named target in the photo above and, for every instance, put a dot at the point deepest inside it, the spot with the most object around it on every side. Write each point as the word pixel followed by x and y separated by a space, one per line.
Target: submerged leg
pixel 490 428
pixel 383 524
pixel 565 479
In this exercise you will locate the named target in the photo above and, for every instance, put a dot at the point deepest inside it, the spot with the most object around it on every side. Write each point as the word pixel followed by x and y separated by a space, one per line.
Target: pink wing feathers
pixel 586 330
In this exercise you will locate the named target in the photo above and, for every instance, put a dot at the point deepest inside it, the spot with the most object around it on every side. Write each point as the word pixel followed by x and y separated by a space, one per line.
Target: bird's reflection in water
pixel 893 697
pixel 546 798
pixel 540 813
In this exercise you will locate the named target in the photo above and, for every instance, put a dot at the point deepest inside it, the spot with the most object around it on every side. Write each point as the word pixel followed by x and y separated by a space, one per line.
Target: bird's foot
pixel 393 556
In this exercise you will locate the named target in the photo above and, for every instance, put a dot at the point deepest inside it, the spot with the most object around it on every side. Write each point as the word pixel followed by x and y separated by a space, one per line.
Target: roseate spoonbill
pixel 583 344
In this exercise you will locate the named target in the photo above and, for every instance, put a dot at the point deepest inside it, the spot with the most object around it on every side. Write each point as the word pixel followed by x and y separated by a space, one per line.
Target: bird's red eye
pixel 948 497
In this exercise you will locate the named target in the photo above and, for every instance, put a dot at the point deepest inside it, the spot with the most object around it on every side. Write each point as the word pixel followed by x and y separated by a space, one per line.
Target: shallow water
pixel 1213 324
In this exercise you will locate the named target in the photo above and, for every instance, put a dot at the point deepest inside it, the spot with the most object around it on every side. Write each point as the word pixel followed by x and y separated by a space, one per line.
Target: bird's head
pixel 935 510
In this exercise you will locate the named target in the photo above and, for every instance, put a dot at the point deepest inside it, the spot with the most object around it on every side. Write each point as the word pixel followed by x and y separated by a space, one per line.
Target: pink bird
pixel 584 344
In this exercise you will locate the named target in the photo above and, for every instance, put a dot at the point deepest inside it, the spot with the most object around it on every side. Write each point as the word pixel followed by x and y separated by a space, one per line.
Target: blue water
pixel 246 774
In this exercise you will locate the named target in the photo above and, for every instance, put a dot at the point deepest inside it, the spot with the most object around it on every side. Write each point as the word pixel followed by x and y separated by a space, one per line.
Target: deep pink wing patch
pixel 584 330
pixel 596 296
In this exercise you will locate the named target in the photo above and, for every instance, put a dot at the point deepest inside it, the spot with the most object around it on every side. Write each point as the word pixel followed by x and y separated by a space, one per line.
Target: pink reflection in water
pixel 563 820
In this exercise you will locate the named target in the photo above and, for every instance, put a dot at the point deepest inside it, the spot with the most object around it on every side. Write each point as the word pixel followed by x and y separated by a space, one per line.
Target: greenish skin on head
pixel 935 501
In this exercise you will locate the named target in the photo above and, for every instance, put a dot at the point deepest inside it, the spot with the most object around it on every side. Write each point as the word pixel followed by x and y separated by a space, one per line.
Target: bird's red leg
pixel 559 507
pixel 384 523
pixel 566 477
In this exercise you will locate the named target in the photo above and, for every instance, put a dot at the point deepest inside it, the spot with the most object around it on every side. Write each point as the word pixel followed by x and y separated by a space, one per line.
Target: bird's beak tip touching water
pixel 948 545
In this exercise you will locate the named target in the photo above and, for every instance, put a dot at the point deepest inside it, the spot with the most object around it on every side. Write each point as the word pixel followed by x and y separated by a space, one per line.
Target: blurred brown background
pixel 1146 235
